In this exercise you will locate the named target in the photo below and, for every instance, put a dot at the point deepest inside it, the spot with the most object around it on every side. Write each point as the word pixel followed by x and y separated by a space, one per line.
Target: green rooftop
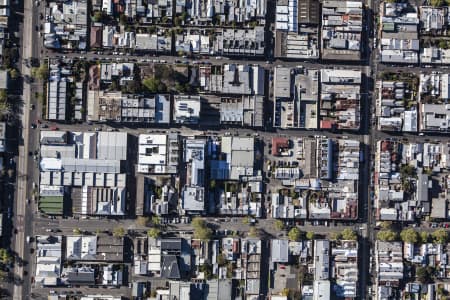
pixel 51 204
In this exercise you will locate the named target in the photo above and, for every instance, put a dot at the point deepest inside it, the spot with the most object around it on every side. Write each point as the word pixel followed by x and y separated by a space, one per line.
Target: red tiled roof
pixel 279 143
pixel 326 124
pixel 96 37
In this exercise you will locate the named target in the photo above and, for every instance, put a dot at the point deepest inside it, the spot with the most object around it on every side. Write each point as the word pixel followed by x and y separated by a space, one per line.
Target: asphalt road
pixel 27 172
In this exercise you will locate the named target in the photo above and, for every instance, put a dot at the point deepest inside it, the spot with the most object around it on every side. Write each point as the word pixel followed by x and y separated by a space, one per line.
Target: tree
pixel 409 236
pixel 207 270
pixel 424 274
pixel 177 21
pixel 201 229
pixel 310 235
pixel 279 225
pixel 212 184
pixel 98 16
pixel 424 237
pixel 441 291
pixel 294 234
pixel 198 222
pixel 142 221
pixel 407 171
pixel 184 16
pixel 285 292
pixel 119 232
pixel 440 236
pixel 5 256
pixel 221 261
pixel 253 232
pixel 348 234
pixel 123 19
pixel 443 44
pixel 13 73
pixel 386 225
pixel 76 231
pixel 154 85
pixel 437 3
pixel 154 233
pixel 3 96
pixel 40 73
pixel 335 236
pixel 3 276
pixel 387 235
pixel 156 221
pixel 203 233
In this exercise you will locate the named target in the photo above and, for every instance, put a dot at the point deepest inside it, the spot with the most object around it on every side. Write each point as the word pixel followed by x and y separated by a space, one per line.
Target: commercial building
pixel 193 199
pixel 345 268
pixel 89 167
pixel 246 111
pixel 434 117
pixel 158 153
pixel 434 55
pixel 238 162
pixel 399 35
pixel 202 12
pixel 48 260
pixel 159 43
pixel 92 248
pixel 340 99
pixel 322 253
pixel 186 109
pixel 389 263
pixel 296 97
pixel 66 27
pixel 433 19
pixel 57 91
pixel 296 26
pixel 242 42
pixel 396 107
pixel 342 26
pixel 233 79
pixel 126 108
pixel 434 93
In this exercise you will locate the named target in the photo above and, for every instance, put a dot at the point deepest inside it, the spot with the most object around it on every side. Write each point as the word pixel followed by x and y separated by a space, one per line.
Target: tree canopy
pixel 440 236
pixel 201 229
pixel 40 73
pixel 119 232
pixel 154 85
pixel 424 274
pixel 348 234
pixel 294 234
pixel 253 232
pixel 142 221
pixel 387 235
pixel 154 232
pixel 409 236
pixel 279 225
pixel 310 235
pixel 438 3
